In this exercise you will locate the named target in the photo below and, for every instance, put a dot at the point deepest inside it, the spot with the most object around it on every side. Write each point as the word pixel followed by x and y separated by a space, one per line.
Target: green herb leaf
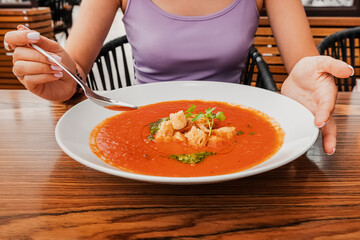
pixel 190 109
pixel 209 114
pixel 197 117
pixel 239 132
pixel 209 110
pixel 192 157
pixel 220 116
pixel 252 133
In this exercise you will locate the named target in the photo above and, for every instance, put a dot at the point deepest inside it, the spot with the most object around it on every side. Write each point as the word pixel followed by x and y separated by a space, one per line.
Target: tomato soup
pixel 125 141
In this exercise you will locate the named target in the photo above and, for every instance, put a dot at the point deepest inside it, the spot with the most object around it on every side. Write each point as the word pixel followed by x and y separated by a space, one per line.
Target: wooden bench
pixel 320 27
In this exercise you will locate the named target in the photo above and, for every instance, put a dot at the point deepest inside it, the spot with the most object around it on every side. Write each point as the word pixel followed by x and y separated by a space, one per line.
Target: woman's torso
pixel 196 42
pixel 184 9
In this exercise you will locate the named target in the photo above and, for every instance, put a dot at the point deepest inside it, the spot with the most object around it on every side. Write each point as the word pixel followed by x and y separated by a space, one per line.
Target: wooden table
pixel 45 194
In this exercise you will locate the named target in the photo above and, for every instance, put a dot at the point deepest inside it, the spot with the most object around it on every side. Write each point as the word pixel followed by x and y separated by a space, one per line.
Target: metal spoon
pixel 96 98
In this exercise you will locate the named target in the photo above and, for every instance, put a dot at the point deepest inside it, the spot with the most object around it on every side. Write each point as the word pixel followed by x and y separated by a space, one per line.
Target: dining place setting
pixel 52 182
pixel 184 159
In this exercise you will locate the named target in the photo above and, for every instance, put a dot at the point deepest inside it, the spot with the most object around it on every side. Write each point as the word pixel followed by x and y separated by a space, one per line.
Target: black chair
pixel 61 14
pixel 343 45
pixel 106 67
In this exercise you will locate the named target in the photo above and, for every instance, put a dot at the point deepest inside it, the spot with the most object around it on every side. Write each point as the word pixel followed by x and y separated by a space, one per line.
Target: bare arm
pixel 291 30
pixel 41 76
pixel 310 80
pixel 90 30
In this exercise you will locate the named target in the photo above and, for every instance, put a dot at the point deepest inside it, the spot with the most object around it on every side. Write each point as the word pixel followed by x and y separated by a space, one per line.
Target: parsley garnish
pixel 209 116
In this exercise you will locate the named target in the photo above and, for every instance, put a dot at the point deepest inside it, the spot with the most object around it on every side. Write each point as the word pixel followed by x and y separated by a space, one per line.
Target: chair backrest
pixel 61 13
pixel 106 68
pixel 344 45
pixel 256 72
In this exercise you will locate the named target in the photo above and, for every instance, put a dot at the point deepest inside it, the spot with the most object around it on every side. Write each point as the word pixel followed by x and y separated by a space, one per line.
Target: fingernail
pixel 322 125
pixel 33 36
pixel 22 26
pixel 6 46
pixel 56 68
pixel 57 58
pixel 58 75
pixel 352 69
pixel 333 151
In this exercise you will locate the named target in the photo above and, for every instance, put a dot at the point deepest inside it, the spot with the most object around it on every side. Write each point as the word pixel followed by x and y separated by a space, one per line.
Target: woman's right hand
pixel 35 71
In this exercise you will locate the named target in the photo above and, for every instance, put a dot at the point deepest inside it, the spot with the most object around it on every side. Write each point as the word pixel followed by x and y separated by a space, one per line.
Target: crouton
pixel 196 137
pixel 225 132
pixel 165 132
pixel 201 123
pixel 213 141
pixel 188 127
pixel 179 137
pixel 203 126
pixel 178 120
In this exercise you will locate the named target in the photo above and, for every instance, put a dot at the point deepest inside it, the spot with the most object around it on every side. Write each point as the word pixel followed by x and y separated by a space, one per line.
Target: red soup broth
pixel 122 141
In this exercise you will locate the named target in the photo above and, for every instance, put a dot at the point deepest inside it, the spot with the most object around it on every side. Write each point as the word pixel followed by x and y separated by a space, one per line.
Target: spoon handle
pixel 76 78
pixel 98 99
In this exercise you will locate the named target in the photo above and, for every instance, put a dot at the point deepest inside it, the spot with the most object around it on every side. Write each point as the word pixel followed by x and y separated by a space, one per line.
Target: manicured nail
pixel 56 68
pixel 33 36
pixel 57 58
pixel 6 46
pixel 322 125
pixel 352 69
pixel 22 26
pixel 333 151
pixel 58 75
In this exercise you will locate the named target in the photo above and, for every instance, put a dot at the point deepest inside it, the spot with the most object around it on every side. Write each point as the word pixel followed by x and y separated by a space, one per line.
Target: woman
pixel 190 39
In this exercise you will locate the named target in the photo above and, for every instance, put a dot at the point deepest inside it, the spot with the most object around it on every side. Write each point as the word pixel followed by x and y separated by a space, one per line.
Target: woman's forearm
pixel 89 31
pixel 291 30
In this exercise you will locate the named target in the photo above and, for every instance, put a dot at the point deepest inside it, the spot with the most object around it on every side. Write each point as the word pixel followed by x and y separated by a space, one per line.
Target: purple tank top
pixel 168 47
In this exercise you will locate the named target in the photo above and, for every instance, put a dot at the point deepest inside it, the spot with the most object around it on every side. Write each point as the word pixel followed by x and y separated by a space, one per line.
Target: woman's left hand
pixel 312 84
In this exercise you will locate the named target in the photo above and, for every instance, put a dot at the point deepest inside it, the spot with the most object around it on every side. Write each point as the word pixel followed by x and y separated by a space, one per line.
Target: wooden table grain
pixel 44 194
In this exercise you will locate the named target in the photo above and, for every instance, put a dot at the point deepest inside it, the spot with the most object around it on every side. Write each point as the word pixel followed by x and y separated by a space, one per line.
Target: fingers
pixel 322 117
pixel 23 68
pixel 329 132
pixel 28 54
pixel 334 66
pixel 325 106
pixel 31 82
pixel 25 36
pixel 6 46
pixel 30 66
pixel 21 38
